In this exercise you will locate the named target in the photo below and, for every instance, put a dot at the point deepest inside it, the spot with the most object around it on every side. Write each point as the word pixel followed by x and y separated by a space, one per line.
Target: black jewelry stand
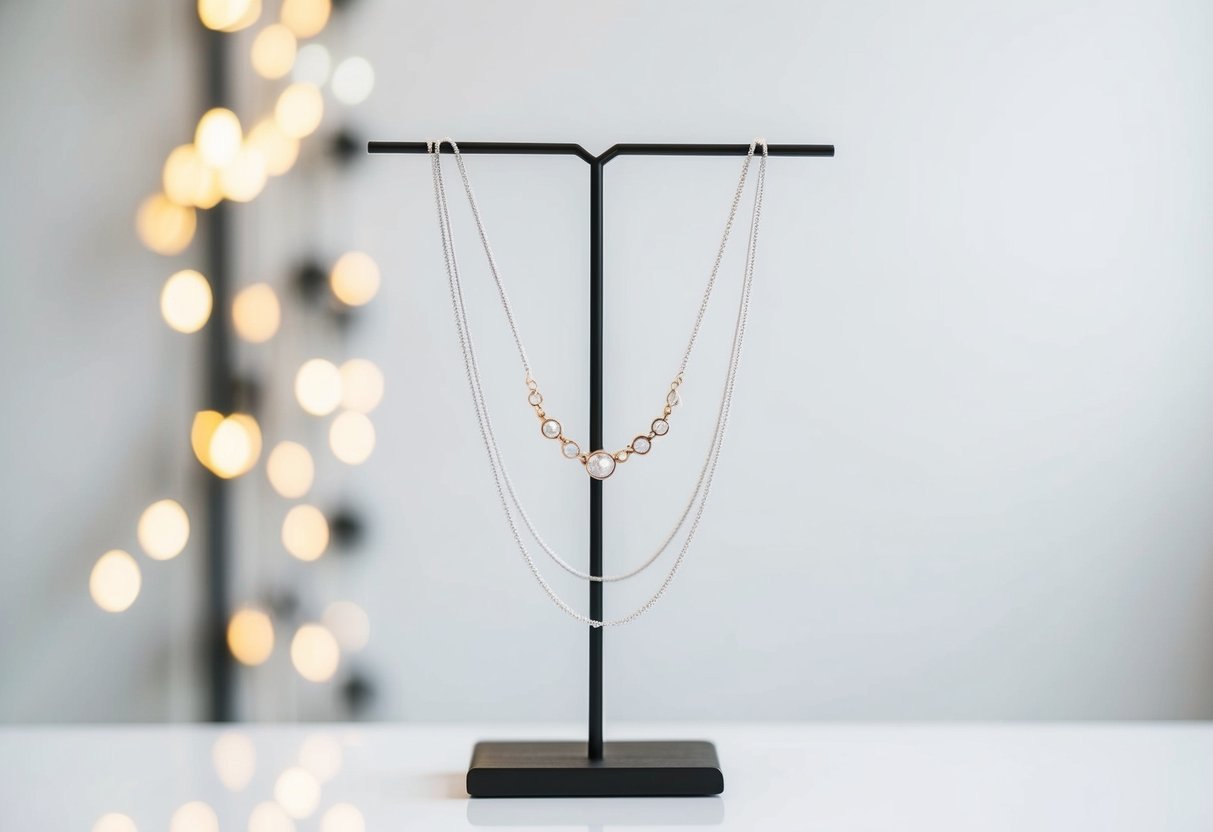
pixel 595 768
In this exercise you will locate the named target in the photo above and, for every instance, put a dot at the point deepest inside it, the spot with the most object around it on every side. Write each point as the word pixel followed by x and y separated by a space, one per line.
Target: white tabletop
pixel 1155 776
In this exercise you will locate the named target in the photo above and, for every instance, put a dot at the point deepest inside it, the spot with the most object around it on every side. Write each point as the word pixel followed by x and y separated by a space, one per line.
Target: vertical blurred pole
pixel 219 395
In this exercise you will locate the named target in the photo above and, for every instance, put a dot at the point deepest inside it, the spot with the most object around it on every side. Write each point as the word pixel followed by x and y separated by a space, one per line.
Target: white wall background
pixel 969 466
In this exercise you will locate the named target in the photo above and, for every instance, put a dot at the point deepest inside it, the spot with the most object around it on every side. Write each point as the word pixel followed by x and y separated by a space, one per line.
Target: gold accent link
pixel 666 411
pixel 622 456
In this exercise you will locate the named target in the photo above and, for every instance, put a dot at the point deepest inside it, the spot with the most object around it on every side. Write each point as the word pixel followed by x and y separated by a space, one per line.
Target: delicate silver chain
pixel 500 475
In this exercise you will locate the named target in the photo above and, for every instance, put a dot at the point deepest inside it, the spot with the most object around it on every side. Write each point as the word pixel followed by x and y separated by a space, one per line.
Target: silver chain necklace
pixel 502 481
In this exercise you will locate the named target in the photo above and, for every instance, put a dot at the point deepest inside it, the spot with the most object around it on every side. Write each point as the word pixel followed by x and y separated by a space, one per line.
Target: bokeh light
pixel 305 532
pixel 321 755
pixel 228 15
pixel 188 180
pixel 194 816
pixel 297 791
pixel 235 759
pixel 349 624
pixel 273 51
pixel 342 817
pixel 218 137
pixel 306 18
pixel 279 150
pixel 361 385
pixel 312 65
pixel 353 80
pixel 290 469
pixel 164 529
pixel 299 110
pixel 114 822
pixel 270 817
pixel 352 437
pixel 315 654
pixel 164 226
pixel 115 581
pixel 243 178
pixel 354 278
pixel 318 387
pixel 185 301
pixel 250 636
pixel 256 313
pixel 234 446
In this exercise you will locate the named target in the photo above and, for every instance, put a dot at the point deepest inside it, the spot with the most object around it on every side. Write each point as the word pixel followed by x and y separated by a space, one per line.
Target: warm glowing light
pixel 234 446
pixel 185 301
pixel 114 822
pixel 279 150
pixel 299 110
pixel 318 387
pixel 273 52
pixel 342 817
pixel 305 532
pixel 228 15
pixel 306 18
pixel 228 446
pixel 250 636
pixel 352 437
pixel 361 385
pixel 256 313
pixel 312 65
pixel 115 581
pixel 349 623
pixel 164 529
pixel 243 178
pixel 235 759
pixel 270 817
pixel 164 226
pixel 194 816
pixel 353 80
pixel 218 137
pixel 315 654
pixel 290 469
pixel 320 754
pixel 297 791
pixel 354 278
pixel 188 180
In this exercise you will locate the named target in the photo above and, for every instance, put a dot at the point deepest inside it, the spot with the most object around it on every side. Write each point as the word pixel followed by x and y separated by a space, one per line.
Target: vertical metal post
pixel 219 396
pixel 596 442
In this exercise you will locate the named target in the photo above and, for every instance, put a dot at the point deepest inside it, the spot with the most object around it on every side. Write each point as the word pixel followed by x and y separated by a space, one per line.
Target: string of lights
pixel 224 164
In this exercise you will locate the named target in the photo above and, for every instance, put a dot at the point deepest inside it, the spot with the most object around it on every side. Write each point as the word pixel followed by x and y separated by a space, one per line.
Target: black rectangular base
pixel 687 768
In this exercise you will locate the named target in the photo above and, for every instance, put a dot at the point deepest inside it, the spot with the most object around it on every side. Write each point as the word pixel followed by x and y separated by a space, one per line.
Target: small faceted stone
pixel 641 444
pixel 661 427
pixel 551 428
pixel 570 450
pixel 600 465
pixel 536 398
pixel 672 398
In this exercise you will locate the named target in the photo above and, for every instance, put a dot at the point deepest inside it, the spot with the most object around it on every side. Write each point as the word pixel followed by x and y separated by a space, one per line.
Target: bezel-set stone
pixel 641 445
pixel 600 465
pixel 660 427
pixel 550 428
pixel 535 398
pixel 570 450
pixel 672 398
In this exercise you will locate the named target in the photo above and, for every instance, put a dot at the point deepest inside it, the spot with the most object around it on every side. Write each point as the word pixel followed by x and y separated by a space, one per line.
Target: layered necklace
pixel 599 464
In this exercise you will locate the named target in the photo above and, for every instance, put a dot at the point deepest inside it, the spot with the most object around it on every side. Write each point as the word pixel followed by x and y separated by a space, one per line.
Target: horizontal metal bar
pixel 544 148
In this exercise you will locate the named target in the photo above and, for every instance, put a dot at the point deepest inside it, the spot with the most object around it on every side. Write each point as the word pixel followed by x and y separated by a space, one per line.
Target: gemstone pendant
pixel 600 465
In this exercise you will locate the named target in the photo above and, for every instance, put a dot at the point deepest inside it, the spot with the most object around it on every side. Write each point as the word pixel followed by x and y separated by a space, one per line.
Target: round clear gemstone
pixel 600 465
pixel 536 398
pixel 550 428
pixel 661 427
pixel 641 444
pixel 672 398
pixel 570 450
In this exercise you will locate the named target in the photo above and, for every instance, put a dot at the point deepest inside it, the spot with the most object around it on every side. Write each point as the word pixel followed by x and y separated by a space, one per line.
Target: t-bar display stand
pixel 594 768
